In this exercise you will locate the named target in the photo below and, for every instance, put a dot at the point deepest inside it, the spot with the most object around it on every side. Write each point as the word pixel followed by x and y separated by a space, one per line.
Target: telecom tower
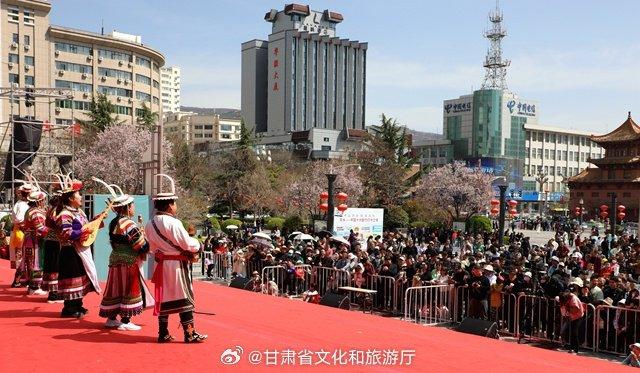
pixel 496 75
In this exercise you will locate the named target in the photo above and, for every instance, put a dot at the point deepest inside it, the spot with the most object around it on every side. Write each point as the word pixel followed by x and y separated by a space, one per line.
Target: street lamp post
pixel 503 191
pixel 581 210
pixel 331 178
pixel 614 212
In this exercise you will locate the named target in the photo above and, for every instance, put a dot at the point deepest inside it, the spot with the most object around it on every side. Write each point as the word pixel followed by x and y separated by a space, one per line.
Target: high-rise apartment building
pixel 37 54
pixel 170 84
pixel 197 129
pixel 304 77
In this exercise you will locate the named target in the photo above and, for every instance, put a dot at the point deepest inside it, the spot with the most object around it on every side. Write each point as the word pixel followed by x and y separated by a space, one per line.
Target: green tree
pixel 101 115
pixel 396 217
pixel 246 141
pixel 146 118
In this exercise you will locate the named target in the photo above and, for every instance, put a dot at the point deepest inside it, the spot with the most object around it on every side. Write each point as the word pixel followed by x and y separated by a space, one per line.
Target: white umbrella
pixel 294 234
pixel 232 227
pixel 341 240
pixel 261 241
pixel 304 237
pixel 262 235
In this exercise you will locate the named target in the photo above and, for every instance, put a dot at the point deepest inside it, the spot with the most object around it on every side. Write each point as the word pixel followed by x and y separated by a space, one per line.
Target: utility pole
pixel 331 178
pixel 503 190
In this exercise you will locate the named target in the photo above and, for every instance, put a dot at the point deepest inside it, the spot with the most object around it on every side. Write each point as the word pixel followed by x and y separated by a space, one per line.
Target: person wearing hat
pixel 173 249
pixel 34 229
pixel 78 275
pixel 125 292
pixel 51 248
pixel 17 234
pixel 633 359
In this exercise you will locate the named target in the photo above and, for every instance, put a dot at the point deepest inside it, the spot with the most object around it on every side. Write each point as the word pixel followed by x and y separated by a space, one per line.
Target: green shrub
pixel 275 223
pixel 215 223
pixel 229 222
pixel 479 224
pixel 396 217
pixel 418 224
pixel 293 223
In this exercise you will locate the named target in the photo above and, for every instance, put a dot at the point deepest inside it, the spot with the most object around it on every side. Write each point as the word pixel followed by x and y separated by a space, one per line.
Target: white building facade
pixel 170 84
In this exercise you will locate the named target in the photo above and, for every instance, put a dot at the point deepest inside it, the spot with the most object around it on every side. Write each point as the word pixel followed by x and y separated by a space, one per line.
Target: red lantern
pixel 324 195
pixel 342 196
pixel 46 126
pixel 604 208
pixel 604 214
pixel 621 215
pixel 324 206
pixel 577 211
pixel 621 208
pixel 513 212
pixel 513 203
pixel 621 212
pixel 495 211
pixel 342 207
pixel 75 129
pixel 495 202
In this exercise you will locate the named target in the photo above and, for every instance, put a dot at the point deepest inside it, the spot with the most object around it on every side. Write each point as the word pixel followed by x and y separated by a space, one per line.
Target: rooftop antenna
pixel 495 76
pixel 102 31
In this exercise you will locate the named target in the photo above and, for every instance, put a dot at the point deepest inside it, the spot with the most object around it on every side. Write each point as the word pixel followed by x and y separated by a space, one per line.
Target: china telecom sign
pixel 457 108
pixel 521 108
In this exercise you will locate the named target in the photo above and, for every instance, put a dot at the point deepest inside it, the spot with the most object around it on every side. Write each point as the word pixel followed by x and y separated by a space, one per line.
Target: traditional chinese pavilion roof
pixel 628 131
pixel 594 175
pixel 615 160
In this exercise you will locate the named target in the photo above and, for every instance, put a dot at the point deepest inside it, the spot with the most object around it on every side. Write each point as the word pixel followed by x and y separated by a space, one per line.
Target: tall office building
pixel 304 78
pixel 170 85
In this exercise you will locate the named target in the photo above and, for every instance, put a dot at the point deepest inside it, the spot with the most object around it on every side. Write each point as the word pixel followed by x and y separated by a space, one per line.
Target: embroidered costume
pixel 126 293
pixel 34 229
pixel 173 249
pixel 51 253
pixel 16 239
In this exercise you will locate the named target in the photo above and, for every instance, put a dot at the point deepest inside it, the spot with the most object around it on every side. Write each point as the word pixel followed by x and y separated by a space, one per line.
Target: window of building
pixel 539 153
pixel 14 58
pixel 64 104
pixel 29 80
pixel 595 194
pixel 65 84
pixel 29 61
pixel 143 79
pixel 156 84
pixel 114 55
pixel 28 16
pixel 546 154
pixel 27 40
pixel 156 101
pixel 208 135
pixel 15 39
pixel 564 171
pixel 14 78
pixel 553 138
pixel 114 73
pixel 626 174
pixel 124 110
pixel 228 136
pixel 13 13
pixel 197 135
pixel 74 67
pixel 197 127
pixel 564 155
pixel 64 122
pixel 546 170
pixel 552 170
pixel 141 61
pixel 546 137
pixel 611 174
pixel 208 127
pixel 114 91
pixel 143 96
pixel 74 48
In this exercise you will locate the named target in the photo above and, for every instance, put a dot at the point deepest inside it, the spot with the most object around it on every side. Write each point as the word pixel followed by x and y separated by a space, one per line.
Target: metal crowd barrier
pixel 385 299
pixel 538 318
pixel 616 328
pixel 429 305
pixel 220 265
pixel 327 279
pixel 288 282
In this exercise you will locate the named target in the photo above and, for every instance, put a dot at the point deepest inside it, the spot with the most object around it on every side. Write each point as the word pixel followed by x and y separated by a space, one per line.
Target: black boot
pixel 190 334
pixel 163 330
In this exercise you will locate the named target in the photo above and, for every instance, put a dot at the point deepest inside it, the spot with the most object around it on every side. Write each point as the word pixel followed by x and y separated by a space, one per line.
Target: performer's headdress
pixel 68 184
pixel 118 198
pixel 27 186
pixel 165 196
pixel 36 194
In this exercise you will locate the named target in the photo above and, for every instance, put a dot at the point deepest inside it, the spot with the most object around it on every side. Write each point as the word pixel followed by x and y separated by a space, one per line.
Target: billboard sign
pixel 364 222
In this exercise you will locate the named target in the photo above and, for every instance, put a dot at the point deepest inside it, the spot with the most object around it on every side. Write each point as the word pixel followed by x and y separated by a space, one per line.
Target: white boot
pixel 129 326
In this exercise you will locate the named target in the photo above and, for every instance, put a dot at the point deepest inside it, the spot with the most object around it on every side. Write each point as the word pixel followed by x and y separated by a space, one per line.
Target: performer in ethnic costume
pixel 173 249
pixel 51 247
pixel 34 229
pixel 78 274
pixel 17 234
pixel 125 293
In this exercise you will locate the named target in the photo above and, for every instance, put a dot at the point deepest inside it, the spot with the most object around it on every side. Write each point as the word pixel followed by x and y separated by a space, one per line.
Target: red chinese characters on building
pixel 276 64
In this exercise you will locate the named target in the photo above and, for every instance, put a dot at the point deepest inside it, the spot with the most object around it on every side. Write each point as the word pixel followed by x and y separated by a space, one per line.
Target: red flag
pixel 46 126
pixel 75 129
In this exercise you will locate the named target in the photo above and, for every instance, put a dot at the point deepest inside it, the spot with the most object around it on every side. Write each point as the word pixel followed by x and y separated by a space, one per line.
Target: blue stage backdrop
pixel 102 248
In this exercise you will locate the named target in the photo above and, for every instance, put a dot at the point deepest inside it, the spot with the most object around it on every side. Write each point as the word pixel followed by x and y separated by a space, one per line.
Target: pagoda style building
pixel 617 172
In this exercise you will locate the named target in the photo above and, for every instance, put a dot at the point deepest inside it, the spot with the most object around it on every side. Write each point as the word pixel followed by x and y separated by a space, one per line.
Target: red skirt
pixel 123 293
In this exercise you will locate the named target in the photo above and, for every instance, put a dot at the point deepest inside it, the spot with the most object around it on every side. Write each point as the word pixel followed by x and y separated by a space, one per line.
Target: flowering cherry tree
pixel 114 156
pixel 458 189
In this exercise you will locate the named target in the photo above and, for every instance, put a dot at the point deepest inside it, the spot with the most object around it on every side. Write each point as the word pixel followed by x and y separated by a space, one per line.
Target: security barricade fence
pixel 429 305
pixel 220 265
pixel 604 328
pixel 616 328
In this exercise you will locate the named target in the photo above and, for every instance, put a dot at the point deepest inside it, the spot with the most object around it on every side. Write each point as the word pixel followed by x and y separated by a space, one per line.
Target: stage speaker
pixel 336 300
pixel 479 327
pixel 241 283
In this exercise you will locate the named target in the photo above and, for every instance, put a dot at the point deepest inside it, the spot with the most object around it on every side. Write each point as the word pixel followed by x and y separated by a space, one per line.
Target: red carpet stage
pixel 33 338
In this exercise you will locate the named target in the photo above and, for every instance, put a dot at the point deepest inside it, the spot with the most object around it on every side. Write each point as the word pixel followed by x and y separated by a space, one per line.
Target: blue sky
pixel 579 58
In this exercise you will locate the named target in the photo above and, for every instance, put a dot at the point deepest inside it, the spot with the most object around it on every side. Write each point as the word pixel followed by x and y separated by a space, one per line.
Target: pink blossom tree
pixel 114 156
pixel 457 189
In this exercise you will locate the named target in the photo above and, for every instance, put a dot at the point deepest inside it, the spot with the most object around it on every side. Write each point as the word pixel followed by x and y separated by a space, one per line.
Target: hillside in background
pixel 223 112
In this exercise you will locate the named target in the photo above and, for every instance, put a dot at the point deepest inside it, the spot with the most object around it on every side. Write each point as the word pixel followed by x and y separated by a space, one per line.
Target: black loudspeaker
pixel 241 283
pixel 336 300
pixel 479 327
